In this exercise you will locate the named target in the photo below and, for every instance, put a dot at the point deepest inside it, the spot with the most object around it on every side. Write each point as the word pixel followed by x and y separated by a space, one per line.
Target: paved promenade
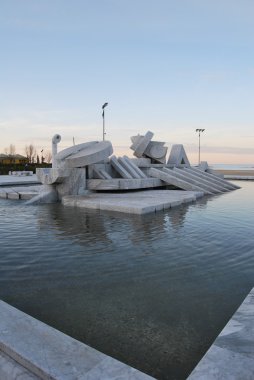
pixel 13 180
pixel 15 187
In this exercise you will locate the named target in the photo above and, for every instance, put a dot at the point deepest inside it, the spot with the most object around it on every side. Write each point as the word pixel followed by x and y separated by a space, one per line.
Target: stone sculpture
pixel 144 147
pixel 178 156
pixel 91 166
pixel 69 169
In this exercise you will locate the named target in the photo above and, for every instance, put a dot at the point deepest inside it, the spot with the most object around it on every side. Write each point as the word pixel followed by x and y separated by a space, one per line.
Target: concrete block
pixel 9 180
pixel 99 184
pixel 74 184
pixel 130 184
pixel 140 202
pixel 175 203
pixel 135 141
pixel 13 196
pixel 49 176
pixel 123 184
pixel 157 151
pixel 26 195
pixel 142 162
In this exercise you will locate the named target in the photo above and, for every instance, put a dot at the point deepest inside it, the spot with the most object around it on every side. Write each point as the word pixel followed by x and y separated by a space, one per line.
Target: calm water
pixel 152 291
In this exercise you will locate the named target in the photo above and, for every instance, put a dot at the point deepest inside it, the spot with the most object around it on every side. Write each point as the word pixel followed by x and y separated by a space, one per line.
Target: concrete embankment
pixel 231 355
pixel 32 350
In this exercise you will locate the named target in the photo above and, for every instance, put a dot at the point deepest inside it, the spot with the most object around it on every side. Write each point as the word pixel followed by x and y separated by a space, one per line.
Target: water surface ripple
pixel 152 291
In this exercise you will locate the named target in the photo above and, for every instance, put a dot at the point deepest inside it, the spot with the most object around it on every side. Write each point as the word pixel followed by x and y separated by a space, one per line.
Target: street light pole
pixel 199 131
pixel 103 121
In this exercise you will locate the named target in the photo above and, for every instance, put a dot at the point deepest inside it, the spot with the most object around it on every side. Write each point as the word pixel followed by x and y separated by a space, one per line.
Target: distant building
pixel 6 159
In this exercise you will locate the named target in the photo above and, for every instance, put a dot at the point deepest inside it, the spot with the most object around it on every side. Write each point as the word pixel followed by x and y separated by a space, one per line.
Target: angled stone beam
pixel 135 167
pixel 119 168
pixel 128 168
pixel 142 144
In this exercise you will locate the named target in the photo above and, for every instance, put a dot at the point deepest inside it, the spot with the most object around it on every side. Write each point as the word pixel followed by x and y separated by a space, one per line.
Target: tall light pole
pixel 199 131
pixel 103 121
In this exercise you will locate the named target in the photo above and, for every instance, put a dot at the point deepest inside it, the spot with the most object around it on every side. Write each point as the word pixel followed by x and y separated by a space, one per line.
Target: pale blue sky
pixel 165 66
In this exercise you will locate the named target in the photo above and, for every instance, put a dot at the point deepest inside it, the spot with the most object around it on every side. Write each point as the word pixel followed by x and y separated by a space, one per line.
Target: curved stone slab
pixel 157 151
pixel 90 155
pixel 73 150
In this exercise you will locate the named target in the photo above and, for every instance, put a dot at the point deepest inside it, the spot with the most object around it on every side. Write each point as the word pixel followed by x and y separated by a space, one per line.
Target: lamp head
pixel 104 105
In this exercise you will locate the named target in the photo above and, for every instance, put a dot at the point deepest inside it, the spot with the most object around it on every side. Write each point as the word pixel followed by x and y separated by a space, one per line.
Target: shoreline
pixel 235 172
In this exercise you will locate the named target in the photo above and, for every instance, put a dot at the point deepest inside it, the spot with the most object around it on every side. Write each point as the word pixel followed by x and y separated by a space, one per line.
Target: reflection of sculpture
pixel 85 227
pixel 92 167
pixel 75 223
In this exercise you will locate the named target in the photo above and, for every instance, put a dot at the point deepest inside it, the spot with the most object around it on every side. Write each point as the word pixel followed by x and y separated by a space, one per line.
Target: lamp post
pixel 42 158
pixel 103 121
pixel 199 131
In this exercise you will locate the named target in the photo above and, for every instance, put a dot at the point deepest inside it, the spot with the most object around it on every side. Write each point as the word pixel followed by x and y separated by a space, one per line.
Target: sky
pixel 165 66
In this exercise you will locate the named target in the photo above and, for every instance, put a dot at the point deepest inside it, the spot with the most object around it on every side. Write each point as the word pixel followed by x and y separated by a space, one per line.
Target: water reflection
pixel 83 225
pixel 152 291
